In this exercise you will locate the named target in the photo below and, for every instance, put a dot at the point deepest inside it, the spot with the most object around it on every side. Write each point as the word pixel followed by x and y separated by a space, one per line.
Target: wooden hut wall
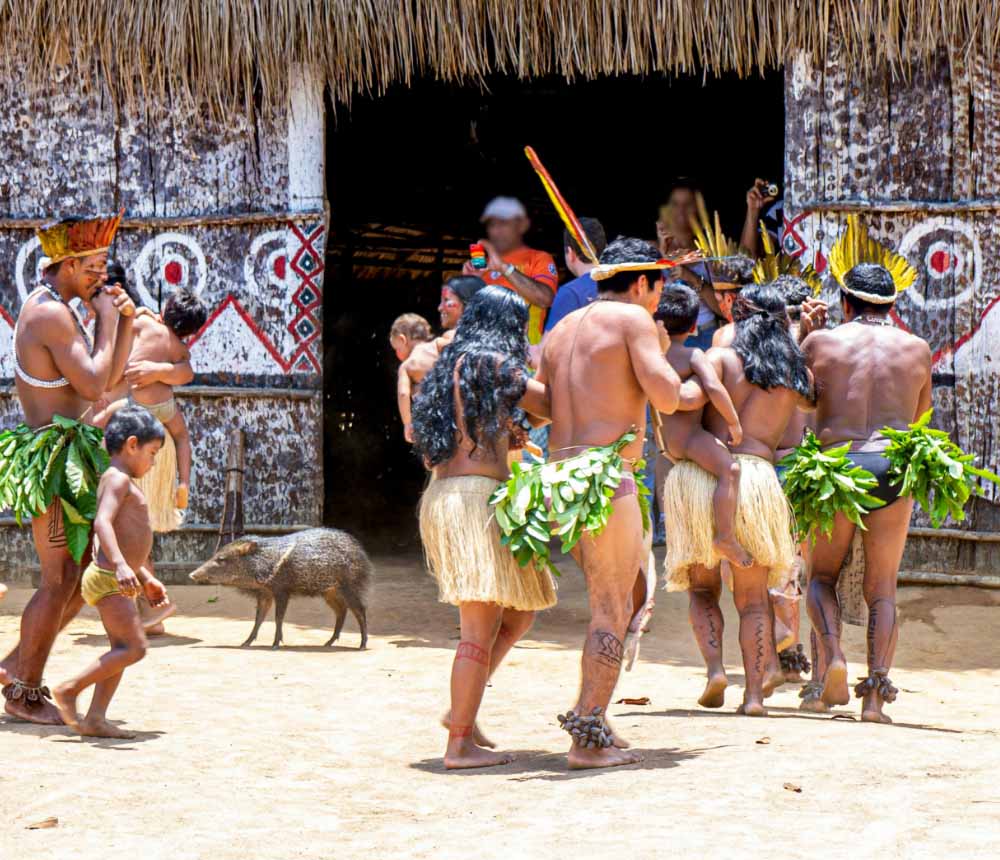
pixel 921 159
pixel 233 211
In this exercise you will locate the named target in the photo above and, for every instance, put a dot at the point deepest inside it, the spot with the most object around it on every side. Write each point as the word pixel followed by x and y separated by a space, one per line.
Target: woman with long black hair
pixel 766 376
pixel 466 418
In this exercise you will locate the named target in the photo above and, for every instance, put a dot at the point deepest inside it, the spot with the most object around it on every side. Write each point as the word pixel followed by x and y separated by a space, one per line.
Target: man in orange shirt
pixel 512 264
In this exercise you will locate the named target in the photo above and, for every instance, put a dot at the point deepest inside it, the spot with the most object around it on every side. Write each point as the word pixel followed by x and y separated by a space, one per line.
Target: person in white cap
pixel 512 264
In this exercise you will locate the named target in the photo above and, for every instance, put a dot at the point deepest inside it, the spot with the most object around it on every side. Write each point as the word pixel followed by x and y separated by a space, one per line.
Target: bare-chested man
pixel 59 373
pixel 766 377
pixel 483 374
pixel 455 295
pixel 869 375
pixel 602 364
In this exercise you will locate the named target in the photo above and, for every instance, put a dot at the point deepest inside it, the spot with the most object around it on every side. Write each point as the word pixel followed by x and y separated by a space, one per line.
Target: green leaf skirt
pixel 63 460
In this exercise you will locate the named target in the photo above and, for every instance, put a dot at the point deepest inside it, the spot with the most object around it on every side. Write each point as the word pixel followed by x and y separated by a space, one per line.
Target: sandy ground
pixel 319 753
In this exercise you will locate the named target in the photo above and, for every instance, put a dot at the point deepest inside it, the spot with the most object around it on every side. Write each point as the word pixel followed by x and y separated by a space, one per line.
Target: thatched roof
pixel 222 52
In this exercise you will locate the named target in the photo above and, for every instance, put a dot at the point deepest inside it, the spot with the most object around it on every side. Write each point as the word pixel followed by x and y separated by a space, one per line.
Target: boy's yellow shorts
pixel 97 584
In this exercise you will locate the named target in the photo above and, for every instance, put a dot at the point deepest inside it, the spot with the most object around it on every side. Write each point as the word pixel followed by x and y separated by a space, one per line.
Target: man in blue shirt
pixel 582 290
pixel 571 296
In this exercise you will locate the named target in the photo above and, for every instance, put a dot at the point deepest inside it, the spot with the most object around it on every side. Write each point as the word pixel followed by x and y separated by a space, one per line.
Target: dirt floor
pixel 320 753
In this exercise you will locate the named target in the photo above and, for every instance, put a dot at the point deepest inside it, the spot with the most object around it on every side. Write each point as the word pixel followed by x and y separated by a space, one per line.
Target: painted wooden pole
pixel 232 512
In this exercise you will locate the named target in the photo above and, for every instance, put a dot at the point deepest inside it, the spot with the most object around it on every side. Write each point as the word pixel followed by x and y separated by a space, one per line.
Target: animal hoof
pixel 275 646
pixel 247 644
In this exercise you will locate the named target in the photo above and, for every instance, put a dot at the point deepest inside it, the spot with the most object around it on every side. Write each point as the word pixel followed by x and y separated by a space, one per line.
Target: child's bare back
pixel 678 427
pixel 155 342
pixel 682 434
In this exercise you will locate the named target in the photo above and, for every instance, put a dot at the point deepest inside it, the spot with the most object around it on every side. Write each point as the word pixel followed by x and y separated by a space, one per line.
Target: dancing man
pixel 602 364
pixel 59 373
pixel 465 418
pixel 869 375
pixel 766 377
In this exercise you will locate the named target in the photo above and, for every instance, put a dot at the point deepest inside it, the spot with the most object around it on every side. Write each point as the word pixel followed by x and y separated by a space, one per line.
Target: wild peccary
pixel 313 562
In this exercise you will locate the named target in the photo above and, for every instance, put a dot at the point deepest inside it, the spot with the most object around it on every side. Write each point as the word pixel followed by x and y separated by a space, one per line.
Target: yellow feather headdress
pixel 720 252
pixel 775 264
pixel 77 237
pixel 856 246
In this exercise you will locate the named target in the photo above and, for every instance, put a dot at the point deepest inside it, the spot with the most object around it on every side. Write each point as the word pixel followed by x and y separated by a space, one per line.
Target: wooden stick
pixel 232 511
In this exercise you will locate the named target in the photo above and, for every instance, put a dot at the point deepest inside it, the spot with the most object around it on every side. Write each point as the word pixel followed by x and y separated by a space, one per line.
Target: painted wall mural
pixel 211 203
pixel 263 288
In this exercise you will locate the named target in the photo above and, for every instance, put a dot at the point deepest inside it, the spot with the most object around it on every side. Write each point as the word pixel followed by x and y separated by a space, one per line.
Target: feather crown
pixel 727 264
pixel 775 264
pixel 855 246
pixel 77 237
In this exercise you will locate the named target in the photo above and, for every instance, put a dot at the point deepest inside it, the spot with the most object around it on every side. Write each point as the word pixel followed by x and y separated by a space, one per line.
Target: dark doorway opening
pixel 408 175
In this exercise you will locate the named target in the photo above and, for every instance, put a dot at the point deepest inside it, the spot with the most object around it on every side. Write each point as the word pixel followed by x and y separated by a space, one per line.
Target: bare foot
pixel 5 679
pixel 99 728
pixel 153 622
pixel 794 677
pixel 835 690
pixel 752 709
pixel 584 759
pixel 478 738
pixel 814 705
pixel 732 550
pixel 875 717
pixel 772 681
pixel 65 701
pixel 871 710
pixel 45 714
pixel 715 692
pixel 466 755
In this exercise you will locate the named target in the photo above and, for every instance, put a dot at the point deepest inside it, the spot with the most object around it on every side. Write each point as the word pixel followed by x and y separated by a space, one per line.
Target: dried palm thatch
pixel 227 55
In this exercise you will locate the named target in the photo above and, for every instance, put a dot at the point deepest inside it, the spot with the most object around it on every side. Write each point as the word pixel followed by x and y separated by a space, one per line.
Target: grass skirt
pixel 159 486
pixel 763 521
pixel 462 546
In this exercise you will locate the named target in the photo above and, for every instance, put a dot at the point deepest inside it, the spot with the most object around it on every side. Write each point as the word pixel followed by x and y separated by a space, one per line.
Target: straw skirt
pixel 763 521
pixel 463 551
pixel 159 484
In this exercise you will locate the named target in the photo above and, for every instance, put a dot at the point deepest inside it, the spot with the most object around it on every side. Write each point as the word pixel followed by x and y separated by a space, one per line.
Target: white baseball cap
pixel 504 209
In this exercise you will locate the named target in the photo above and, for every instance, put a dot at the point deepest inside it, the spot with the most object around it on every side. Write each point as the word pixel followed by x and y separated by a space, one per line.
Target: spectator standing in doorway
pixel 512 264
pixel 582 290
pixel 674 235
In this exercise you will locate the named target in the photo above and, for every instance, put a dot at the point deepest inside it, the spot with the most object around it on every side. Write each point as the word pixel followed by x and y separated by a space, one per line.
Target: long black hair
pixel 771 358
pixel 488 357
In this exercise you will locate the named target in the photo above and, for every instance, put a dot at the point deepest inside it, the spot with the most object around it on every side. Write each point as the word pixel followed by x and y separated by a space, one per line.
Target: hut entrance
pixel 408 176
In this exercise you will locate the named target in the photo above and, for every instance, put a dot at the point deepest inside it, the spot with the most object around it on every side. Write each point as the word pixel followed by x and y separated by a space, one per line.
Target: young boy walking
pixel 119 571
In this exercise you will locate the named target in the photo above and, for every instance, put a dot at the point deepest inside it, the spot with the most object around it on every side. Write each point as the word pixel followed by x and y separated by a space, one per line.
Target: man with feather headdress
pixel 870 375
pixel 50 465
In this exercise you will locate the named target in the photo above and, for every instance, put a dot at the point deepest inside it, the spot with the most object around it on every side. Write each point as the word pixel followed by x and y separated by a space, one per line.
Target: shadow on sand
pixel 65 735
pixel 295 649
pixel 165 640
pixel 779 713
pixel 530 765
